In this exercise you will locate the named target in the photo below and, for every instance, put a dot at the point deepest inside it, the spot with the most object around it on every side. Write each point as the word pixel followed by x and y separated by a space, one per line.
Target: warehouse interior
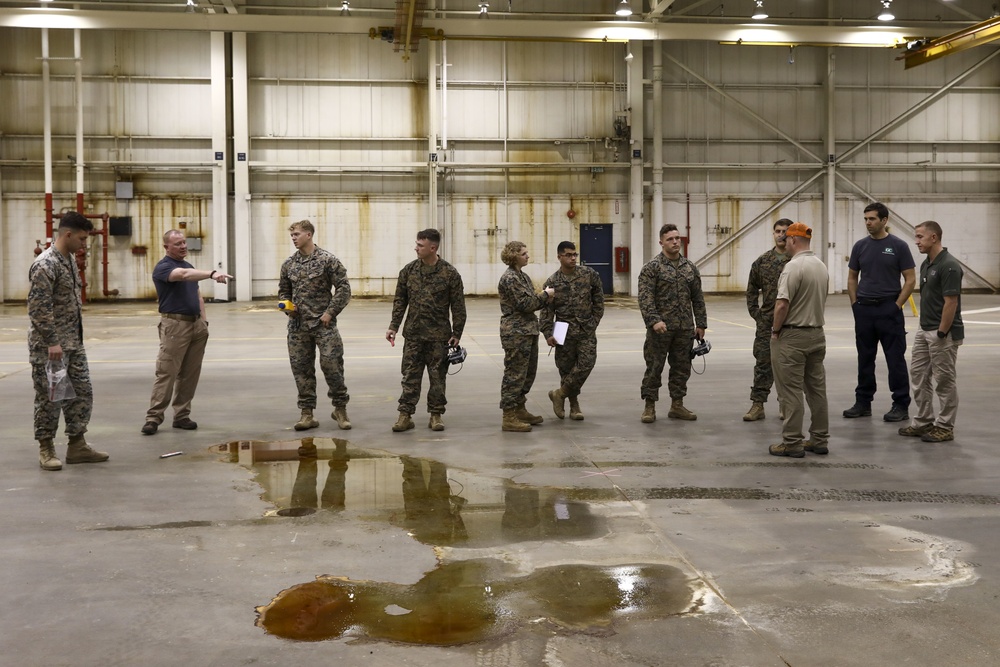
pixel 601 542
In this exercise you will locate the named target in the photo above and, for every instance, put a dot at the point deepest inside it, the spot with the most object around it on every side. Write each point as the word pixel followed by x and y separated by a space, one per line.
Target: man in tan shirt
pixel 798 347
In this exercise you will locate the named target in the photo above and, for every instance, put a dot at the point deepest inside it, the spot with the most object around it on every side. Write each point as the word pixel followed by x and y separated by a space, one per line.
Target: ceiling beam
pixel 608 31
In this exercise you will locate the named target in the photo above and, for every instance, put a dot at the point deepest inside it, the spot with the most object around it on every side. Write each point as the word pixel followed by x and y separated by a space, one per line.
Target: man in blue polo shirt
pixel 183 334
pixel 935 345
pixel 877 302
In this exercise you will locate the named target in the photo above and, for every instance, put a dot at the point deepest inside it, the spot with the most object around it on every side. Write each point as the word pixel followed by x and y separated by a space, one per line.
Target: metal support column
pixel 637 223
pixel 656 204
pixel 830 188
pixel 432 139
pixel 242 205
pixel 220 194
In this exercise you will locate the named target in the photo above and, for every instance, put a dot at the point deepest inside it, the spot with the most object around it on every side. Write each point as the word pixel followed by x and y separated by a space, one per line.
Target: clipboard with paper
pixel 559 330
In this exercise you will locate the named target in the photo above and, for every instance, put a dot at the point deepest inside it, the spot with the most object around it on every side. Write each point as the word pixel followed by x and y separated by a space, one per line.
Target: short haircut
pixel 430 234
pixel 932 227
pixel 75 221
pixel 784 222
pixel 304 225
pixel 879 208
pixel 510 252
pixel 170 232
pixel 565 245
pixel 669 227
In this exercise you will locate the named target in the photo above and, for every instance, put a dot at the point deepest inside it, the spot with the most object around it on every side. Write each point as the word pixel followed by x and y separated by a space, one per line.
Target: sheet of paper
pixel 559 330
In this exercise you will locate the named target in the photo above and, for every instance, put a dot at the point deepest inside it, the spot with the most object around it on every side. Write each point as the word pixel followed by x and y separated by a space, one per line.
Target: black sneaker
pixel 897 414
pixel 187 424
pixel 149 428
pixel 858 410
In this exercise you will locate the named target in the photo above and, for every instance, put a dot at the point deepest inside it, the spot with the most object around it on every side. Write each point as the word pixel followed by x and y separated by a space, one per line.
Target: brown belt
pixel 178 316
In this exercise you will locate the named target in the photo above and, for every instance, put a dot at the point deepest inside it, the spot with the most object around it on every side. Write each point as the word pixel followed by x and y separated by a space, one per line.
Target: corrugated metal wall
pixel 338 129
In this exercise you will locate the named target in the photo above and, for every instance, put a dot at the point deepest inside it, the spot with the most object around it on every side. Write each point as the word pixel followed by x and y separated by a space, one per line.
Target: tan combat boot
pixel 678 411
pixel 649 414
pixel 435 424
pixel 47 455
pixel 558 398
pixel 512 423
pixel 403 423
pixel 79 451
pixel 340 414
pixel 574 409
pixel 522 413
pixel 306 421
pixel 755 413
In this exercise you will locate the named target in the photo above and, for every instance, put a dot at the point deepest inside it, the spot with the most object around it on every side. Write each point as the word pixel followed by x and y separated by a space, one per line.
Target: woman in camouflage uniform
pixel 519 337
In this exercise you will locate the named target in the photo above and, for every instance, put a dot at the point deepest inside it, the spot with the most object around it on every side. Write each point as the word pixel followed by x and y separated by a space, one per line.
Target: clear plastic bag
pixel 60 386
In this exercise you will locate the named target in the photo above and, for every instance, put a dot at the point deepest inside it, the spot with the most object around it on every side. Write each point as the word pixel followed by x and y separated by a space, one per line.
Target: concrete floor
pixel 878 554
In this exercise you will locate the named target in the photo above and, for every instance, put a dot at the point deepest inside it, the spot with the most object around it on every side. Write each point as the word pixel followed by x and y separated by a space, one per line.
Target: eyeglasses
pixel 570 254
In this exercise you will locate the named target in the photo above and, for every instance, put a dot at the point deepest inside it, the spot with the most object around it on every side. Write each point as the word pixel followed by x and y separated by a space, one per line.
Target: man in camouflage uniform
pixel 579 301
pixel 427 289
pixel 762 290
pixel 306 280
pixel 518 337
pixel 669 291
pixel 55 333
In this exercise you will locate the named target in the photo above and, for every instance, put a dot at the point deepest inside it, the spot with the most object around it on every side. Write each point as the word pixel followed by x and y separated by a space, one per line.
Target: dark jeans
pixel 874 325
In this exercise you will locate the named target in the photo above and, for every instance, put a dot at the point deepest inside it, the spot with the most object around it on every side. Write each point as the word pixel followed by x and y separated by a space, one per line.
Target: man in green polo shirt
pixel 935 345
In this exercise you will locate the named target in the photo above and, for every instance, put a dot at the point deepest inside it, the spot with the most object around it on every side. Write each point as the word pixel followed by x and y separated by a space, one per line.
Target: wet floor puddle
pixel 457 602
pixel 438 505
pixel 476 600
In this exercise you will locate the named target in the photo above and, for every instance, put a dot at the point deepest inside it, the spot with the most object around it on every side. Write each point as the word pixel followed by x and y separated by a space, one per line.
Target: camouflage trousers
pixel 520 363
pixel 302 346
pixel 763 377
pixel 673 348
pixel 575 359
pixel 418 355
pixel 76 411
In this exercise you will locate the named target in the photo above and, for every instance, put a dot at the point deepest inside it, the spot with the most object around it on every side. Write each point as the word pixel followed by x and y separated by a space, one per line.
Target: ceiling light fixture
pixel 759 14
pixel 484 10
pixel 886 14
pixel 624 8
pixel 345 8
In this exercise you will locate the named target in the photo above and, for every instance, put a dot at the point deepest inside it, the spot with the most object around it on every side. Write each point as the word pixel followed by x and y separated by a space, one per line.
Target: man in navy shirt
pixel 183 334
pixel 877 302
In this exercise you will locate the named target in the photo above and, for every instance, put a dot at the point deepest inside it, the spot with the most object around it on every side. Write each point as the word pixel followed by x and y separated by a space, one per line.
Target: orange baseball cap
pixel 799 229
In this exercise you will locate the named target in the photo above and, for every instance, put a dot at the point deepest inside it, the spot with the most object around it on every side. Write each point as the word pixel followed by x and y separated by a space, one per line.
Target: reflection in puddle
pixel 477 600
pixel 438 505
pixel 461 601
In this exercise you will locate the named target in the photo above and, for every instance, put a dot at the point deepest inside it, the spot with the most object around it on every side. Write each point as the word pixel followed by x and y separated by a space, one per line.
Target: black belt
pixel 796 326
pixel 872 301
pixel 178 316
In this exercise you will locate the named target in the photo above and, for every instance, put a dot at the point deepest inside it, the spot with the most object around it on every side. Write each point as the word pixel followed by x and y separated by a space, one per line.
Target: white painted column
pixel 219 256
pixel 78 78
pixel 656 205
pixel 242 207
pixel 637 223
pixel 826 236
pixel 432 137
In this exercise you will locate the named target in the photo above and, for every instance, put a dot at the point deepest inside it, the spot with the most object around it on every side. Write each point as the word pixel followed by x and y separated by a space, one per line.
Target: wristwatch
pixel 942 334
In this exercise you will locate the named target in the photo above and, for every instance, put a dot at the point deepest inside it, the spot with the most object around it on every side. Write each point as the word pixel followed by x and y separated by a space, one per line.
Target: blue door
pixel 596 252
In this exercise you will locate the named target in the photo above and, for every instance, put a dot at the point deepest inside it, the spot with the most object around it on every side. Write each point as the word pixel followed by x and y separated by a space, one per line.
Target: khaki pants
pixel 797 361
pixel 178 367
pixel 932 370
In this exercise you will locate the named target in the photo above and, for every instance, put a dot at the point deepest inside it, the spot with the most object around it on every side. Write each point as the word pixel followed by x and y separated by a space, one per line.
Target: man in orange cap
pixel 798 346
